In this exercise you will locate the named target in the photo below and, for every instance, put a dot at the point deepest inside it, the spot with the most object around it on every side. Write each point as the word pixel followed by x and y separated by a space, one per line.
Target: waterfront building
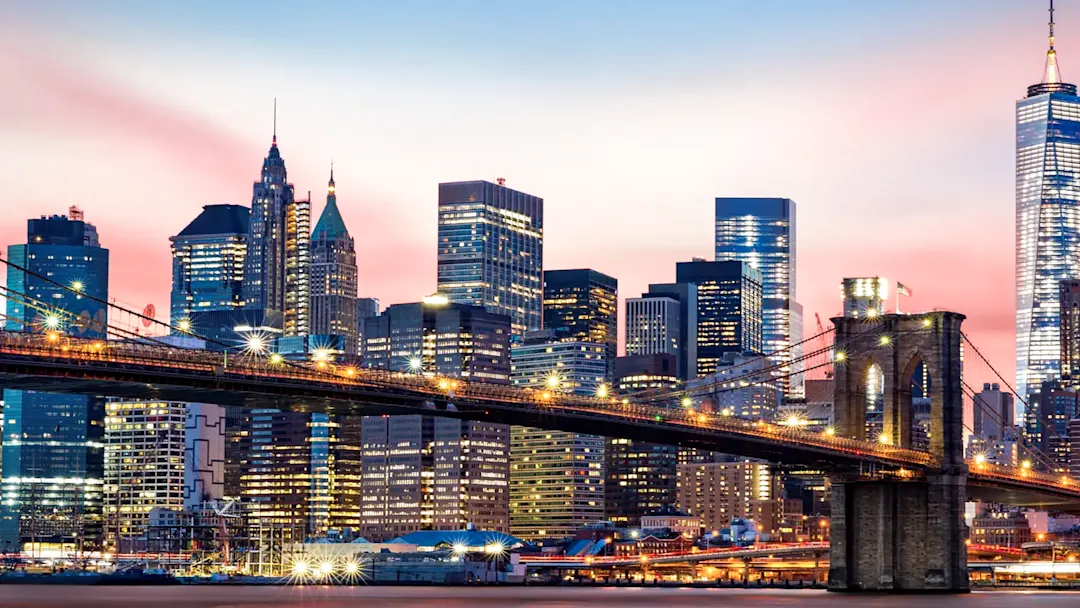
pixel 729 309
pixel 640 476
pixel 52 473
pixel 491 250
pixel 277 264
pixel 1001 528
pixel 583 305
pixel 208 264
pixel 144 465
pixel 556 477
pixel 333 275
pixel 670 518
pixel 440 338
pixel 1047 220
pixel 761 232
pixel 719 492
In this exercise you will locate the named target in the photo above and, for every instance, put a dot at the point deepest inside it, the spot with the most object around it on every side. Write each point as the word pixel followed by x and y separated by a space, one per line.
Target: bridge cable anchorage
pixel 1027 406
pixel 710 389
pixel 1038 454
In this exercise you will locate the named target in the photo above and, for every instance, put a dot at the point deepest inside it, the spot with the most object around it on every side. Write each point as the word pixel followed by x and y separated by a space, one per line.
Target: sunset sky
pixel 891 124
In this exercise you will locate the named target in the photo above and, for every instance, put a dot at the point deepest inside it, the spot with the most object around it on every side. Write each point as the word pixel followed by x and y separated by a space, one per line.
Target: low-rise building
pixel 670 518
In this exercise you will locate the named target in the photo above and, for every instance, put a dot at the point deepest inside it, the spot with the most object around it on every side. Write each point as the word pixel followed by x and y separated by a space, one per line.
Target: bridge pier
pixel 899 536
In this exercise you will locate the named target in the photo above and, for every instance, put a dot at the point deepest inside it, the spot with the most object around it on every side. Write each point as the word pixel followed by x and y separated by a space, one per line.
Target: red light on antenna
pixel 501 181
pixel 74 213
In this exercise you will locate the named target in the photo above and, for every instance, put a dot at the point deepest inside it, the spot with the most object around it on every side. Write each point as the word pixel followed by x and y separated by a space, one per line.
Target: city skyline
pixel 702 139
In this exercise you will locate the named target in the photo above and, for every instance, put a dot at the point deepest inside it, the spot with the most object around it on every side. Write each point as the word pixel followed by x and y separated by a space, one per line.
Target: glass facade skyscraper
pixel 583 305
pixel 761 232
pixel 729 309
pixel 208 262
pixel 1047 220
pixel 491 250
pixel 333 275
pixel 53 452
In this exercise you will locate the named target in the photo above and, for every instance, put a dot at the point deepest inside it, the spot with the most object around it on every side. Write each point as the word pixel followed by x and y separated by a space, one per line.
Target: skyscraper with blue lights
pixel 52 480
pixel 761 232
pixel 208 263
pixel 1047 219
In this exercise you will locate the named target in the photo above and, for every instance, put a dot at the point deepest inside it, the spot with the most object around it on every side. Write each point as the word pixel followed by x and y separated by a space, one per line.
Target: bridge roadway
pixel 60 363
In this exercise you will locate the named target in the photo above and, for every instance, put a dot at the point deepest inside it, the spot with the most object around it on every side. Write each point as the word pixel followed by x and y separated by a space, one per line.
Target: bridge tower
pixel 890 532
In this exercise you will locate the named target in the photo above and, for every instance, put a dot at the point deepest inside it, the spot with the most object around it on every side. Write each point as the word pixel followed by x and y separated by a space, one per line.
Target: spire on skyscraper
pixel 1052 75
pixel 273 143
pixel 330 186
pixel 330 224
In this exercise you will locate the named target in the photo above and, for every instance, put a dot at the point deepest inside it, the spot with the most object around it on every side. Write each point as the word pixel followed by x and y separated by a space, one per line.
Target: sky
pixel 890 124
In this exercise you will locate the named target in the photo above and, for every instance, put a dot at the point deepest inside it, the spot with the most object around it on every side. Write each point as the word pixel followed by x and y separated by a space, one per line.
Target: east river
pixel 205 596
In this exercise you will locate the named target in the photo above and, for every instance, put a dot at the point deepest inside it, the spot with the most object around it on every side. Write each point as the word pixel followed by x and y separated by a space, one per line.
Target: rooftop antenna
pixel 275 118
pixel 1051 25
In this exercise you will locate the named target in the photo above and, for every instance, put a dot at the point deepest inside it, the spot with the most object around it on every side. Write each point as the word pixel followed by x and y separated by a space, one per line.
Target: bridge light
pixel 602 391
pixel 885 340
pixel 686 402
pixel 830 431
pixel 416 364
pixel 326 568
pixel 255 345
pixel 589 560
pixel 840 356
pixel 625 401
pixel 1064 480
pixel 321 364
pixel 793 421
pixel 980 459
pixel 77 286
pixel 927 322
pixel 495 549
pixel 460 549
pixel 1025 464
pixel 444 384
pixel 871 313
pixel 352 568
pixel 300 567
pixel 644 559
pixel 350 371
pixel 658 418
pixel 884 439
pixel 553 380
pixel 276 358
pixel 545 395
pixel 52 321
pixel 183 325
pixel 53 336
pixel 320 354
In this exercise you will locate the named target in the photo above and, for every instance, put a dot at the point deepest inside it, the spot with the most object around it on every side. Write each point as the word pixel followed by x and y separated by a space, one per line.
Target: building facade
pixel 864 297
pixel 761 232
pixel 52 475
pixel 718 492
pixel 208 263
pixel 436 337
pixel 333 275
pixel 993 412
pixel 491 250
pixel 583 305
pixel 1069 301
pixel 729 309
pixel 556 477
pixel 1047 220
pixel 652 326
pixel 365 307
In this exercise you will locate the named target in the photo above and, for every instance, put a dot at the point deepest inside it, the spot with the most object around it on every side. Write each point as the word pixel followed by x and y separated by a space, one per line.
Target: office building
pixel 652 326
pixel 144 465
pixel 583 306
pixel 365 307
pixel 205 437
pixel 1047 220
pixel 441 338
pixel 491 250
pixel 278 260
pixel 729 309
pixel 719 492
pixel 1074 448
pixel 208 263
pixel 1050 411
pixel 424 473
pixel 993 411
pixel 686 332
pixel 53 455
pixel 741 387
pixel 333 275
pixel 640 476
pixel 1069 301
pixel 864 297
pixel 761 232
pixel 556 477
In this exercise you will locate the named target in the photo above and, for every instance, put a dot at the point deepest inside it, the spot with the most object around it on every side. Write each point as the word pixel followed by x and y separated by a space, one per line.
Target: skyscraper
pixel 333 275
pixel 208 262
pixel 652 326
pixel 1069 300
pixel 278 259
pixel 993 413
pixel 1047 219
pixel 729 309
pixel 556 477
pixel 686 329
pixel 52 477
pixel 761 232
pixel 584 306
pixel 491 250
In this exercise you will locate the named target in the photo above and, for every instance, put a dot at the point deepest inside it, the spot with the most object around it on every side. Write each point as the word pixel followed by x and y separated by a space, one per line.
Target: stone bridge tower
pixel 892 533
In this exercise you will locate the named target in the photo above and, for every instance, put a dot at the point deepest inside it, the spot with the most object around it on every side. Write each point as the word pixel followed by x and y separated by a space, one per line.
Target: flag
pixel 902 289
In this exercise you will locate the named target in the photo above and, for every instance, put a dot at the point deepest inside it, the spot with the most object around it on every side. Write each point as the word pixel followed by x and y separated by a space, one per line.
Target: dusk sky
pixel 891 124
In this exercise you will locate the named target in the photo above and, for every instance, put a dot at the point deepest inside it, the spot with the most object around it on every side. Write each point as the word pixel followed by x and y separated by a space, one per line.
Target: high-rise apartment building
pixel 333 275
pixel 556 477
pixel 583 305
pixel 640 476
pixel 729 309
pixel 761 232
pixel 491 250
pixel 144 465
pixel 208 263
pixel 277 265
pixel 1047 220
pixel 437 337
pixel 718 492
pixel 53 475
